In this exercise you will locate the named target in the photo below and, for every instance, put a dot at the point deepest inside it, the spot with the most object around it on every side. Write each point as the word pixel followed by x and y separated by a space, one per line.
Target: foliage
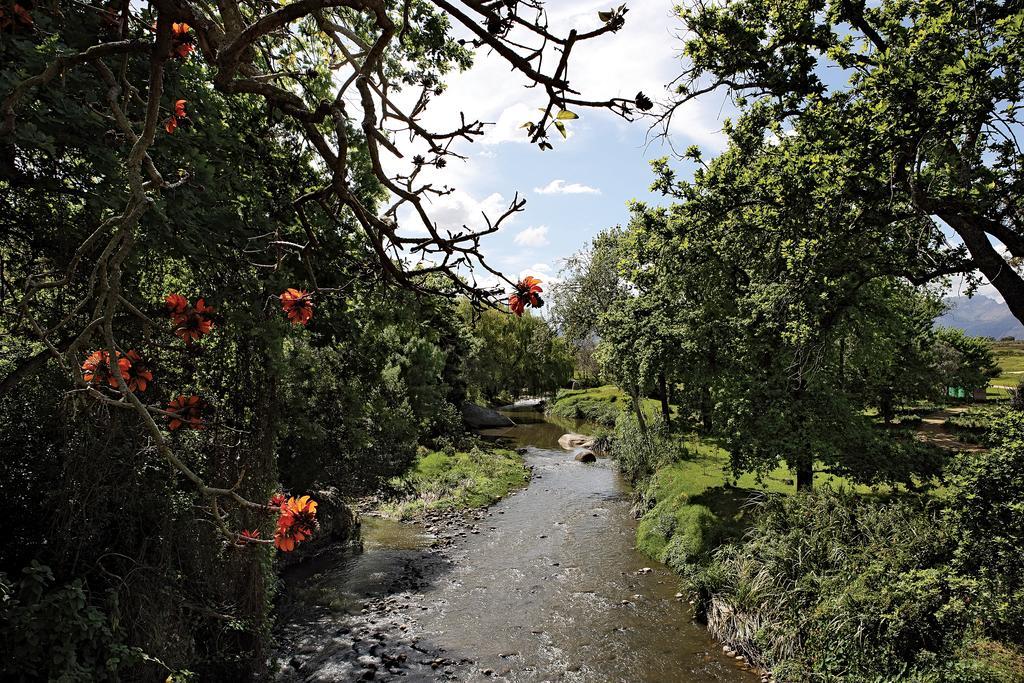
pixel 53 632
pixel 464 479
pixel 513 355
pixel 967 362
pixel 832 585
pixel 590 287
pixel 838 585
pixel 987 514
pixel 919 122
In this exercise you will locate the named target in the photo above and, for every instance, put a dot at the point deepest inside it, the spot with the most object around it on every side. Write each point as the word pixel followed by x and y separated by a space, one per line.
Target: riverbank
pixel 600 405
pixel 888 583
pixel 458 480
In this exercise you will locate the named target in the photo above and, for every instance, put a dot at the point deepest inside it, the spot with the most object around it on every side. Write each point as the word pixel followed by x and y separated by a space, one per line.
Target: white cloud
pixel 533 237
pixel 644 55
pixel 455 211
pixel 561 187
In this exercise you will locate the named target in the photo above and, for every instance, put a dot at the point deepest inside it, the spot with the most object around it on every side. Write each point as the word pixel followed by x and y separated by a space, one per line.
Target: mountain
pixel 981 316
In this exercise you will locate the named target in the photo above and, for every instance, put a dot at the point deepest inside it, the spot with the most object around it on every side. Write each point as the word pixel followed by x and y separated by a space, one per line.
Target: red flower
pixel 248 536
pixel 296 523
pixel 191 322
pixel 20 18
pixel 178 117
pixel 139 375
pixel 96 369
pixel 187 411
pixel 277 500
pixel 298 304
pixel 182 39
pixel 527 293
pixel 176 304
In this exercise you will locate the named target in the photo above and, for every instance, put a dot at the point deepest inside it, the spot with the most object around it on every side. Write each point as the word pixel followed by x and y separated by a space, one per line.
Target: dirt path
pixel 933 430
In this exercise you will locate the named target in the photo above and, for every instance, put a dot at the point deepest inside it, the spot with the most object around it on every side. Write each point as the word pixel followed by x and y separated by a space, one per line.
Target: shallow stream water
pixel 544 586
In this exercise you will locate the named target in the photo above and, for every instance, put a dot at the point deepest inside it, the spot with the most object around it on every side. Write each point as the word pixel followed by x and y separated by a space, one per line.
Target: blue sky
pixel 584 184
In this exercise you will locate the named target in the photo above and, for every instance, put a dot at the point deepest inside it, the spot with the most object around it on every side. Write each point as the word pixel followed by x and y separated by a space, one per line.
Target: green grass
pixel 1010 357
pixel 599 404
pixel 461 480
pixel 698 504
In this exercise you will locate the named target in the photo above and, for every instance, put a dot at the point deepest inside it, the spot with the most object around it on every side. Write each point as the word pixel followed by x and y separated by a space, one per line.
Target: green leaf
pixel 565 115
pixel 605 16
pixel 561 128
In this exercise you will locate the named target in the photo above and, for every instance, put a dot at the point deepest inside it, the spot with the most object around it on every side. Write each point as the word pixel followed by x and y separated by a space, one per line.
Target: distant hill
pixel 981 316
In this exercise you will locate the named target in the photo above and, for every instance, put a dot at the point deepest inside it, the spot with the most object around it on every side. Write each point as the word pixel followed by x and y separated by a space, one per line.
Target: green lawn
pixel 1010 356
pixel 698 503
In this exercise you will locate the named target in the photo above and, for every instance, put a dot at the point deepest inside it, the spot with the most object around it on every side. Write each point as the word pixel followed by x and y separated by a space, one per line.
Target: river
pixel 544 586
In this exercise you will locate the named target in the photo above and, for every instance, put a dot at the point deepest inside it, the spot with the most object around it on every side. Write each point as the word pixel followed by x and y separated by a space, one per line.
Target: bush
pixel 53 633
pixel 834 586
pixel 640 453
pixel 987 515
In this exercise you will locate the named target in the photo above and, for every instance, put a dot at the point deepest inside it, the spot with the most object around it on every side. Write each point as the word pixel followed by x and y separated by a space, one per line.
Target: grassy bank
pixel 695 504
pixel 599 404
pixel 848 583
pixel 465 479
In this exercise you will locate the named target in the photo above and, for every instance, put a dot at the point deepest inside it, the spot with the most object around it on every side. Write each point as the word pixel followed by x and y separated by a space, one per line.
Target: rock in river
pixel 585 455
pixel 573 441
pixel 478 417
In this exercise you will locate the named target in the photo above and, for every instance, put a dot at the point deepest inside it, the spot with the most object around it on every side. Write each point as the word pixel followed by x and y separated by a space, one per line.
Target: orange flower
pixel 194 321
pixel 187 411
pixel 96 369
pixel 139 375
pixel 296 523
pixel 182 39
pixel 178 117
pixel 527 293
pixel 298 304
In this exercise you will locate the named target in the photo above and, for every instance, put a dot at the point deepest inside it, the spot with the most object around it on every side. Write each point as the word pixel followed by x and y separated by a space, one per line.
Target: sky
pixel 583 185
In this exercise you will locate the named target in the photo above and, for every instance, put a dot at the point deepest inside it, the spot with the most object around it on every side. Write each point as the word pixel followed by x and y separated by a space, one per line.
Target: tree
pixel 591 285
pixel 921 136
pixel 513 354
pixel 779 302
pixel 965 362
pixel 241 164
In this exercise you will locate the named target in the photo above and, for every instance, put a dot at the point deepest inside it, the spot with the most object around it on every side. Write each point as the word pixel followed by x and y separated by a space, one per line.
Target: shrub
pixel 52 632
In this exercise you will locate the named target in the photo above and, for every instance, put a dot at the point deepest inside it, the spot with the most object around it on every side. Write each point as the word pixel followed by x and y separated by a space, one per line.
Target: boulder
pixel 573 441
pixel 537 405
pixel 478 417
pixel 584 455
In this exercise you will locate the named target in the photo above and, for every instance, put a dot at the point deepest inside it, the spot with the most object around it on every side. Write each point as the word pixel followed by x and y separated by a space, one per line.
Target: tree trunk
pixel 989 261
pixel 634 396
pixel 666 411
pixel 805 475
pixel 885 406
pixel 705 409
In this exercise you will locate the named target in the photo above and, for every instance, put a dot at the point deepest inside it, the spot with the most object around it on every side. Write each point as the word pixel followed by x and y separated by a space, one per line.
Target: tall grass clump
pixel 834 586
